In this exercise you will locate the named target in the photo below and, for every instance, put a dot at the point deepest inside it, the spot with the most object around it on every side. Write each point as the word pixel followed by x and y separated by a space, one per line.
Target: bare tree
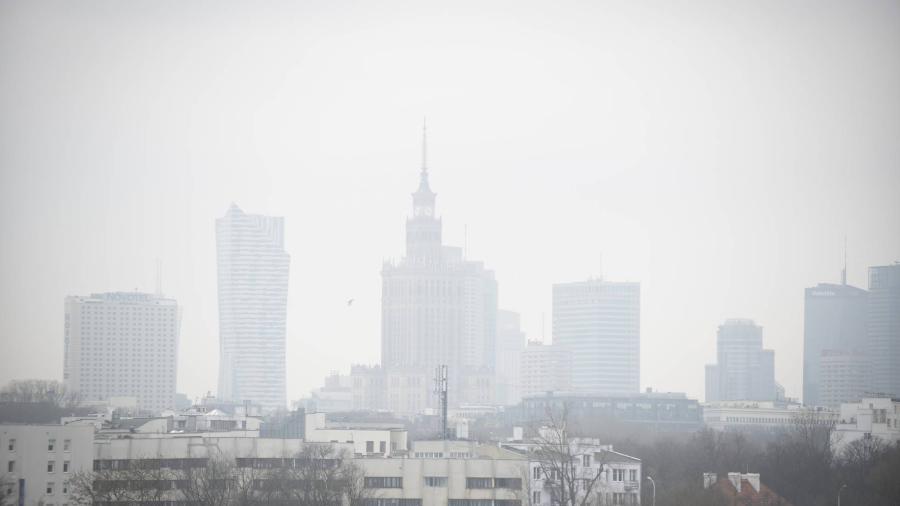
pixel 144 481
pixel 561 458
pixel 219 483
pixel 39 391
pixel 318 475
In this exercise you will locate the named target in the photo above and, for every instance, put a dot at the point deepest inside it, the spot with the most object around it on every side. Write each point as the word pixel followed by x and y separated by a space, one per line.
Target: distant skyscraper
pixel 253 287
pixel 545 368
pixel 834 321
pixel 599 322
pixel 883 320
pixel 510 344
pixel 843 378
pixel 122 344
pixel 745 371
pixel 437 308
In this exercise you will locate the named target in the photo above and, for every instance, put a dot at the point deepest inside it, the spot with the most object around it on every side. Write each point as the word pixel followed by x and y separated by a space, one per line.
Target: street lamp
pixel 839 493
pixel 654 490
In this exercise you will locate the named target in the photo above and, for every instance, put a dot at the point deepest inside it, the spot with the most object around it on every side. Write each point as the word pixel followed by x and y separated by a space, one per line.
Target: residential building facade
pixel 38 460
pixel 871 417
pixel 122 345
pixel 447 473
pixel 604 476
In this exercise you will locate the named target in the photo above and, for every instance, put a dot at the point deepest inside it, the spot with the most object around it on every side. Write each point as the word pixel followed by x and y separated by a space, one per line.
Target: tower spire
pixel 424 145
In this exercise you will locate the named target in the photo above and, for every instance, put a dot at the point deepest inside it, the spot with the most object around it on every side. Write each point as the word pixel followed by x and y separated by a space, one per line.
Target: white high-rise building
pixel 510 345
pixel 253 287
pixel 744 371
pixel 122 344
pixel 883 329
pixel 545 368
pixel 599 322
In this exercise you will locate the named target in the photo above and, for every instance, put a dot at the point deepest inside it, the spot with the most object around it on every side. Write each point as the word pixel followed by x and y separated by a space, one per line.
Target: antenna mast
pixel 440 388
pixel 844 270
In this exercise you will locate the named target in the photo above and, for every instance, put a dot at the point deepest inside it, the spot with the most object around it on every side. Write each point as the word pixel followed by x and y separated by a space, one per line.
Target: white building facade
pixel 122 345
pixel 606 477
pixel 872 417
pixel 447 473
pixel 38 460
pixel 761 415
pixel 545 368
pixel 599 322
pixel 253 288
pixel 367 438
pixel 510 345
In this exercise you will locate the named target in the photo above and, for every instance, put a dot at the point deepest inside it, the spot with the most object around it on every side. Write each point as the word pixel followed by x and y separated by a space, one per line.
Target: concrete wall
pixel 31 455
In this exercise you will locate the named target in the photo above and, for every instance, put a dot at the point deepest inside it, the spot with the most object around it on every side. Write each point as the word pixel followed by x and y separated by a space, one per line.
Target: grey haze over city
pixel 717 153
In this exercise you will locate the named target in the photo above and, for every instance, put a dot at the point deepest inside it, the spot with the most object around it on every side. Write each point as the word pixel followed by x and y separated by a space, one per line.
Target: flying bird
pixel 350 302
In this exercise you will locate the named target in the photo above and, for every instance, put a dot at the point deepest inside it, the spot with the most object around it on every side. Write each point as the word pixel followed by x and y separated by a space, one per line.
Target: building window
pixel 510 483
pixel 382 446
pixel 632 475
pixel 370 446
pixel 65 466
pixel 586 461
pixel 384 482
pixel 435 481
pixel 536 473
pixel 67 445
pixel 51 444
pixel 12 445
pixel 391 502
pixel 50 466
pixel 50 487
pixel 536 497
pixel 479 483
pixel 11 466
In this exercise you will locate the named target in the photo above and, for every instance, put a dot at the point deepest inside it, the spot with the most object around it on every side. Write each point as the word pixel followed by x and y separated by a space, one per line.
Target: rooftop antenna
pixel 844 270
pixel 440 388
pixel 158 277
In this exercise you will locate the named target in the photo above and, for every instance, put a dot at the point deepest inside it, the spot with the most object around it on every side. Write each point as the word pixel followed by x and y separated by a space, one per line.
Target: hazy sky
pixel 715 151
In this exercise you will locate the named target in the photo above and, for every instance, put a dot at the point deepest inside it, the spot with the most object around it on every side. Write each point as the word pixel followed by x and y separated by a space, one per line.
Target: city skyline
pixel 725 193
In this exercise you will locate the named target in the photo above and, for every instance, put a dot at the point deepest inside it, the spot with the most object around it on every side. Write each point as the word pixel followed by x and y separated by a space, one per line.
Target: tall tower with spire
pixel 423 229
pixel 437 309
